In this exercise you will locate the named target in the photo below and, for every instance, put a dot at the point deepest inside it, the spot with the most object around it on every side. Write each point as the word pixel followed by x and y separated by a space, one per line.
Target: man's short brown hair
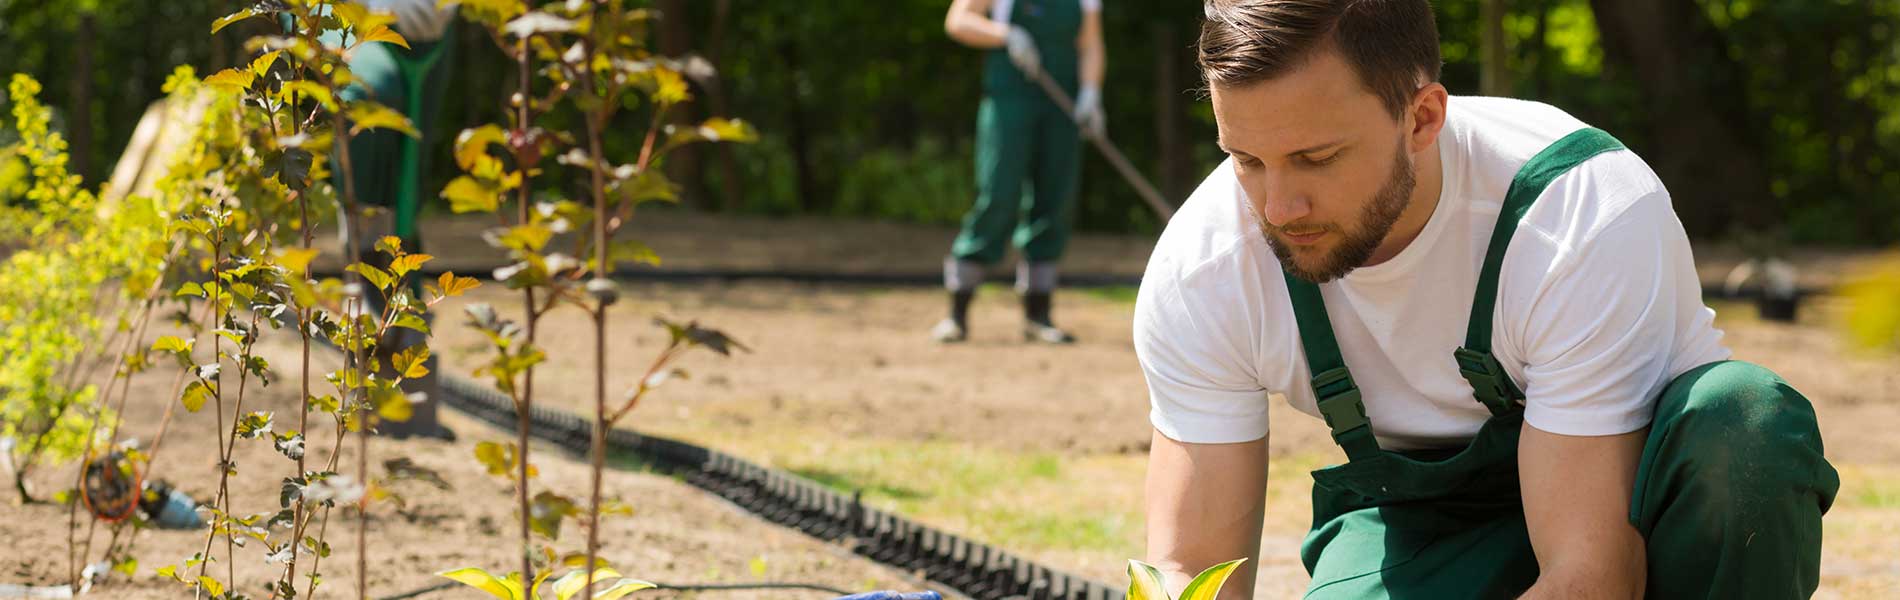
pixel 1391 44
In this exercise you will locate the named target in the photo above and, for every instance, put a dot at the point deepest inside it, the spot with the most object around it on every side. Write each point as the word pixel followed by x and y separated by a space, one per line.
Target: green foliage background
pixel 867 109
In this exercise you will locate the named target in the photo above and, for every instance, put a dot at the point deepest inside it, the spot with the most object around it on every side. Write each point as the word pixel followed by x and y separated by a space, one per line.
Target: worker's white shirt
pixel 417 20
pixel 1598 301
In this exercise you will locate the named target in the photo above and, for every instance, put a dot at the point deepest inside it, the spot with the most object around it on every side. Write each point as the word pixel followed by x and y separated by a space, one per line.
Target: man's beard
pixel 1374 223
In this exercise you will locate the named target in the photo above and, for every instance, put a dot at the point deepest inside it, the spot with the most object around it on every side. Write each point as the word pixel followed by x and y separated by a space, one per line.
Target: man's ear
pixel 1425 117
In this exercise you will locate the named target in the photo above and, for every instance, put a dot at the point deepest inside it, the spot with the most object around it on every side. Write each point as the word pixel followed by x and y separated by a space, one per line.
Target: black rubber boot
pixel 1037 326
pixel 955 328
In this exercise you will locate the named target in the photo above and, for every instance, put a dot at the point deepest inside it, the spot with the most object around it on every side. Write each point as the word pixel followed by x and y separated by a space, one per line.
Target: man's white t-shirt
pixel 1598 302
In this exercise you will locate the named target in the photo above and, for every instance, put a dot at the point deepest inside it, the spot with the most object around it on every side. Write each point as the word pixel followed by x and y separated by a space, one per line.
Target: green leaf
pixel 497 457
pixel 391 403
pixel 376 277
pixel 232 79
pixel 465 194
pixel 650 185
pixel 382 33
pixel 452 285
pixel 1207 585
pixel 503 589
pixel 669 87
pixel 571 583
pixel 370 115
pixel 622 588
pixel 526 238
pixel 1145 582
pixel 359 16
pixel 129 566
pixel 254 425
pixel 546 512
pixel 227 20
pixel 190 289
pixel 411 321
pixel 196 395
pixel 412 361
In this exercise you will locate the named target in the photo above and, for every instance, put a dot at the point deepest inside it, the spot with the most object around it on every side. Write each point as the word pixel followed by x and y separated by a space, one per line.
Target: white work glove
pixel 1022 50
pixel 1089 114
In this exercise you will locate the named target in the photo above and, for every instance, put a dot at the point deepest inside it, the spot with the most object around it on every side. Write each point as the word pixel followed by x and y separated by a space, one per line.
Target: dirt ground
pixel 677 535
pixel 1037 448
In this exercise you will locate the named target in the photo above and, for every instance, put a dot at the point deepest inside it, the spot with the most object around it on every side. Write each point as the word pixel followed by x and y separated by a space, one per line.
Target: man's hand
pixel 1089 114
pixel 1576 504
pixel 1205 505
pixel 1022 50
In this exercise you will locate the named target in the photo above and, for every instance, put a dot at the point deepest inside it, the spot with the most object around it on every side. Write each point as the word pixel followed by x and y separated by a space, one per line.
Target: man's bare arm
pixel 1205 506
pixel 1576 504
pixel 968 22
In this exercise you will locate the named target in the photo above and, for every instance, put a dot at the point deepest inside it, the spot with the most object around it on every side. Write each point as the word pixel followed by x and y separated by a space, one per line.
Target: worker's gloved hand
pixel 1022 50
pixel 890 595
pixel 1089 114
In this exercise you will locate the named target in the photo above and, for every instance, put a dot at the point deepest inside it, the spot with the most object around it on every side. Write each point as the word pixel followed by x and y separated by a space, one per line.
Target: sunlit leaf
pixel 196 394
pixel 503 589
pixel 1207 585
pixel 172 343
pixel 227 20
pixel 262 65
pixel 296 260
pixel 452 285
pixel 547 510
pixel 212 587
pixel 472 144
pixel 572 582
pixel 465 194
pixel 622 588
pixel 370 115
pixel 232 79
pixel 411 362
pixel 376 277
pixel 312 90
pixel 408 263
pixel 382 33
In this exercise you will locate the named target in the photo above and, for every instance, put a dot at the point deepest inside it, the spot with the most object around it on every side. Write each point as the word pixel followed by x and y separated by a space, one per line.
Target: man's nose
pixel 1281 202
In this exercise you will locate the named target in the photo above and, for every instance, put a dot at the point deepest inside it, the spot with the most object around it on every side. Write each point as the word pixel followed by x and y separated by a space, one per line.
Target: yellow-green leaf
pixel 227 20
pixel 408 263
pixel 412 361
pixel 296 260
pixel 571 583
pixel 1873 313
pixel 1145 582
pixel 211 586
pixel 669 87
pixel 310 89
pixel 370 115
pixel 453 285
pixel 503 589
pixel 1207 585
pixel 382 33
pixel 172 343
pixel 376 277
pixel 465 194
pixel 622 588
pixel 472 144
pixel 392 404
pixel 262 65
pixel 232 78
pixel 195 396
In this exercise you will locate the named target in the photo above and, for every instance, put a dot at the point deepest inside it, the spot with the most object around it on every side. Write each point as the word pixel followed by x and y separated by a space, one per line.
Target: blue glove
pixel 890 595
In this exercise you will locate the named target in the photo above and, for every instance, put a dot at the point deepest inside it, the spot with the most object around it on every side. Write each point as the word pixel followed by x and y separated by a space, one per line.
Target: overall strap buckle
pixel 1339 401
pixel 1489 384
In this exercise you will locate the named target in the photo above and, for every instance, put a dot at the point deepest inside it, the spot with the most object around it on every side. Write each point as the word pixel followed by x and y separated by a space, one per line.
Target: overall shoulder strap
pixel 1339 400
pixel 1489 383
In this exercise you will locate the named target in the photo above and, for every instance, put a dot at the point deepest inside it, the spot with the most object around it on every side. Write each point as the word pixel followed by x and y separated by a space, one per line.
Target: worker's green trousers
pixel 1024 143
pixel 1729 494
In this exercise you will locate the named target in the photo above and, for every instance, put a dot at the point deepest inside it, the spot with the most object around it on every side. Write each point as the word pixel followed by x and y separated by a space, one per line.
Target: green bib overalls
pixel 1729 492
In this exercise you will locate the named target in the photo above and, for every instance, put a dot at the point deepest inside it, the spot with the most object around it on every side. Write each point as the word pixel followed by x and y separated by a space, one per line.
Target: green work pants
pixel 1028 154
pixel 1729 496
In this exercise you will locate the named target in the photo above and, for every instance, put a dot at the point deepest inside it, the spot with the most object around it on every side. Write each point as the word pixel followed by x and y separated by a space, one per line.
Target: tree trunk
pixel 1697 112
pixel 730 184
pixel 1168 112
pixel 1495 78
pixel 79 113
pixel 800 137
pixel 682 164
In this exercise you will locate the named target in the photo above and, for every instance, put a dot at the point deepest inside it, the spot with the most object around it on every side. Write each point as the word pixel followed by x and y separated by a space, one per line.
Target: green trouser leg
pixel 1732 486
pixel 1020 140
pixel 1043 233
pixel 1729 495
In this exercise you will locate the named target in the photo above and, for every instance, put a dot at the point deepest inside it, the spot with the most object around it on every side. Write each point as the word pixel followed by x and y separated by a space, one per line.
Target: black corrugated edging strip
pixel 970 567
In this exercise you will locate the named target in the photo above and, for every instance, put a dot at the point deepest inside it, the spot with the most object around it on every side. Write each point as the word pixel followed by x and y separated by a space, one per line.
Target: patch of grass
pixel 1869 486
pixel 1115 294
